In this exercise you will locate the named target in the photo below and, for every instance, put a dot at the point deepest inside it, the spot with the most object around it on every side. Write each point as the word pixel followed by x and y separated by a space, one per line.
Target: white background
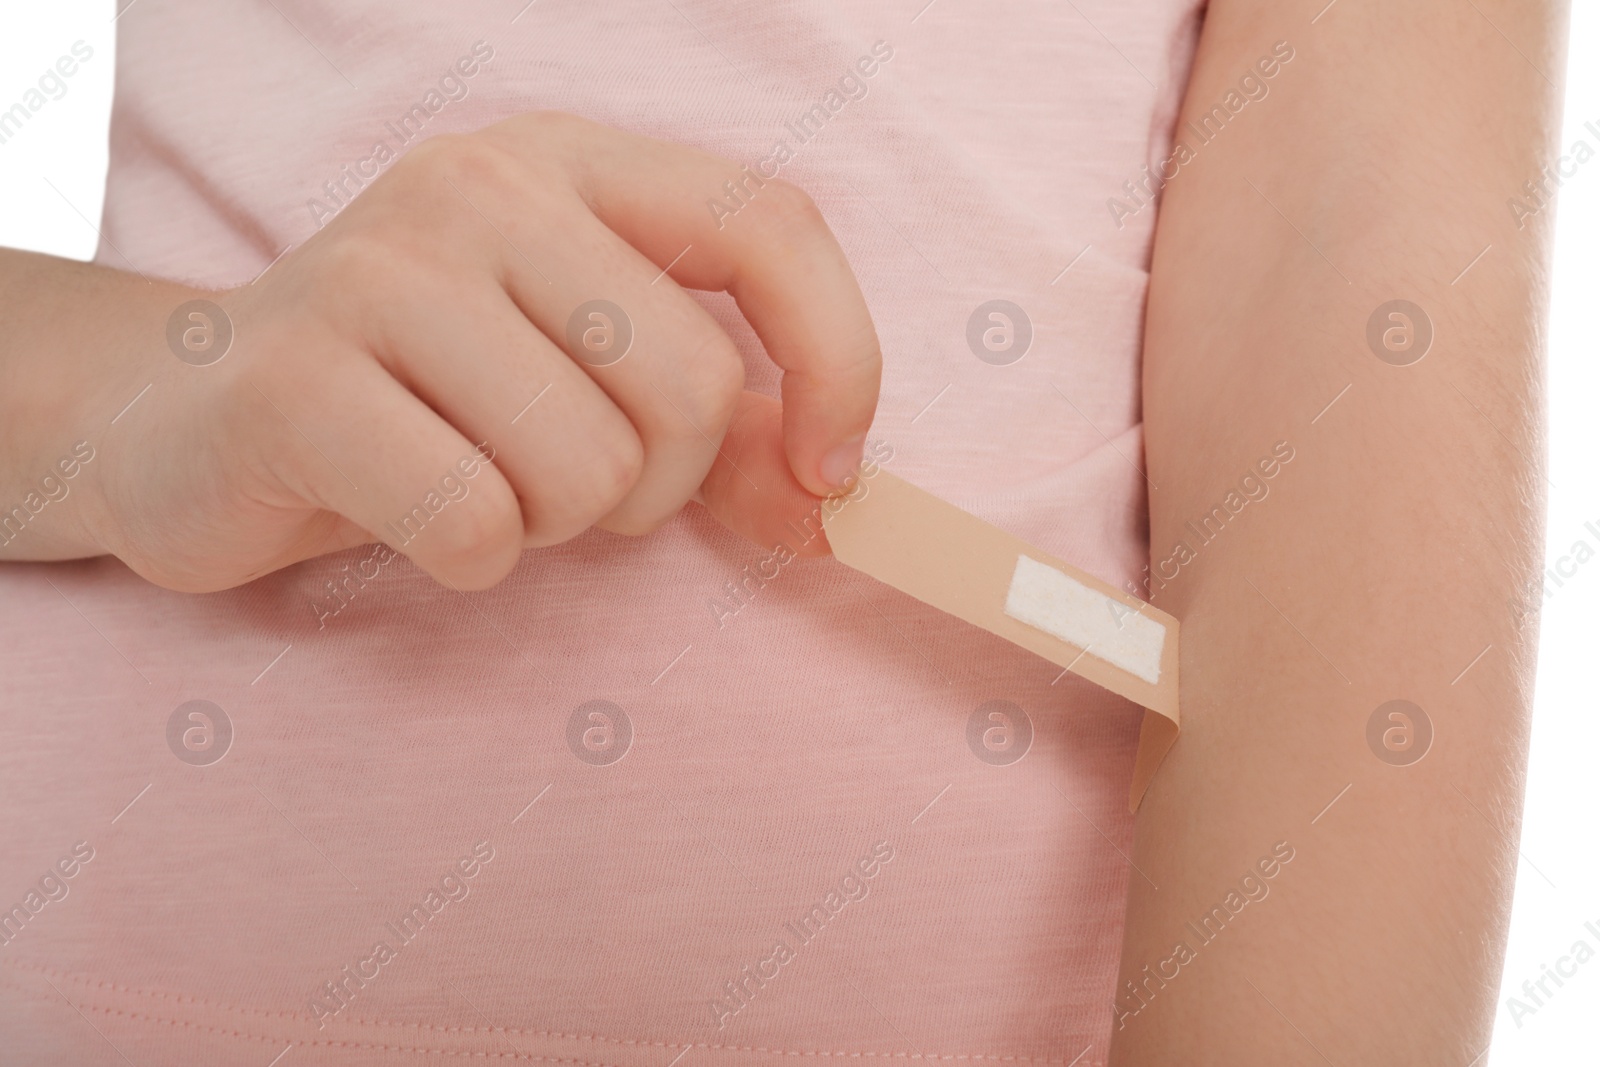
pixel 1559 835
pixel 64 144
pixel 52 177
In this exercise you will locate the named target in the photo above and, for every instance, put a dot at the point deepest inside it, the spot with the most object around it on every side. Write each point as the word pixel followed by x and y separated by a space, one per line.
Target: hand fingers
pixel 649 345
pixel 776 257
pixel 569 454
pixel 364 447
pixel 655 352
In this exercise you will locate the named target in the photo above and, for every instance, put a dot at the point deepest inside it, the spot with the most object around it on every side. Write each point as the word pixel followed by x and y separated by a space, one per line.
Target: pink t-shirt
pixel 649 801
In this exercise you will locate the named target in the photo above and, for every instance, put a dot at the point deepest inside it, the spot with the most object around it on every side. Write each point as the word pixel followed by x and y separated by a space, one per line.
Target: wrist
pixel 84 350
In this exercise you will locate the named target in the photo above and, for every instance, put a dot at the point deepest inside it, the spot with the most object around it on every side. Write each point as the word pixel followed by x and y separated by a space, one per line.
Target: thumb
pixel 751 488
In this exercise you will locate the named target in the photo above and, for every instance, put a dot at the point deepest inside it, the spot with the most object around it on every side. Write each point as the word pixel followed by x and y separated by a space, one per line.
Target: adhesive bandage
pixel 921 545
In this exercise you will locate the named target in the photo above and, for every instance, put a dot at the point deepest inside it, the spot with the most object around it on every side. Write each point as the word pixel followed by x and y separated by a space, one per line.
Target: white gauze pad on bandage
pixel 1058 604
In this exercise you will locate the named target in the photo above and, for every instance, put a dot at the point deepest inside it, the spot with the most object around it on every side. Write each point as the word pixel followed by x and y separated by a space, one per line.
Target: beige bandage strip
pixel 956 562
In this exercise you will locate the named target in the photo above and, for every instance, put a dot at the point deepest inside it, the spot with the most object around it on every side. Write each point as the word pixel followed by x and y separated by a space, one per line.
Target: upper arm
pixel 1372 566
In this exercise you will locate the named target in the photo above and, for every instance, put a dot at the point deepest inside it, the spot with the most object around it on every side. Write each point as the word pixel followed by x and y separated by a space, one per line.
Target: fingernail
pixel 841 464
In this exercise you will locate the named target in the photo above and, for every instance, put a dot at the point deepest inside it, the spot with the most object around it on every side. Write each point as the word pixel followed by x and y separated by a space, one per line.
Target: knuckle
pixel 475 531
pixel 711 385
pixel 589 491
pixel 438 155
pixel 429 151
pixel 461 160
pixel 615 470
pixel 788 210
pixel 864 350
pixel 366 255
pixel 351 272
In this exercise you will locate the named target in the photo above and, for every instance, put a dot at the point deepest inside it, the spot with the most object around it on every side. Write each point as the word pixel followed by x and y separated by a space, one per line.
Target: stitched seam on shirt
pixel 319 1043
pixel 570 1062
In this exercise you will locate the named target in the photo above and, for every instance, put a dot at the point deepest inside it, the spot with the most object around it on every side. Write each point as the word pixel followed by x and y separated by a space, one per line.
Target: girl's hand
pixel 511 294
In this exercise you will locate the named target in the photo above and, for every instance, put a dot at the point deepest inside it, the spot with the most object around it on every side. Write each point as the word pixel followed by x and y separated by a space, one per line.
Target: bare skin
pixel 385 358
pixel 1381 563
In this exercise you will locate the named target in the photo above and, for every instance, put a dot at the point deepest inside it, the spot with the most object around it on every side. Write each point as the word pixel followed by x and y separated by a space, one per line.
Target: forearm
pixel 78 343
pixel 1380 562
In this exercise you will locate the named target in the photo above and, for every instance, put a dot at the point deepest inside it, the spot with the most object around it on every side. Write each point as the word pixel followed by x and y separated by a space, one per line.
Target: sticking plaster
pixel 954 561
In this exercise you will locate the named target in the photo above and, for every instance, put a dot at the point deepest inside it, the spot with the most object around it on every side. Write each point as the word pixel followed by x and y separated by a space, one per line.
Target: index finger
pixel 775 255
